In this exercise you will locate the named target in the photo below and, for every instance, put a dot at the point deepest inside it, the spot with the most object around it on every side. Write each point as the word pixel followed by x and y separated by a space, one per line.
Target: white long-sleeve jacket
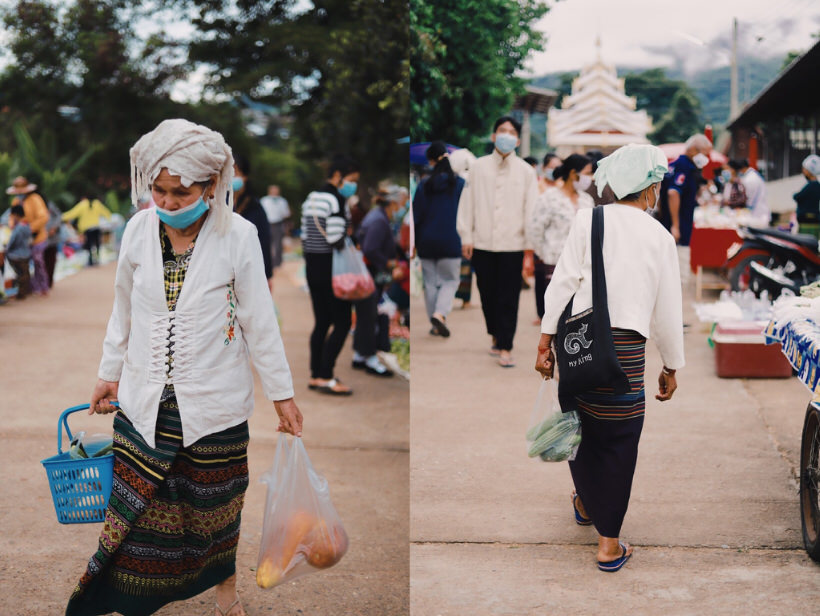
pixel 642 278
pixel 224 313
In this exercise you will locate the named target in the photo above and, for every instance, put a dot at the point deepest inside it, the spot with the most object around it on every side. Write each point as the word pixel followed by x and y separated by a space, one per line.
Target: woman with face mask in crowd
pixel 191 307
pixel 553 216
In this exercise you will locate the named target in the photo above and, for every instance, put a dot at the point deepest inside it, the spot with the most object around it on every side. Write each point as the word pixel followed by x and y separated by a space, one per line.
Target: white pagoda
pixel 598 115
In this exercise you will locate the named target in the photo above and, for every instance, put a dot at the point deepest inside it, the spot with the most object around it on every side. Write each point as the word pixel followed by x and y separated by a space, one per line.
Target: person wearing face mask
pixel 607 196
pixel 191 308
pixel 248 205
pixel 681 188
pixel 494 206
pixel 325 222
pixel 644 300
pixel 552 218
pixel 734 193
pixel 808 197
pixel 755 187
pixel 549 164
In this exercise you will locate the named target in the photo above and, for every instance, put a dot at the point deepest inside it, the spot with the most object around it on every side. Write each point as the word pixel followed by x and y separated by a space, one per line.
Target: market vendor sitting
pixel 808 198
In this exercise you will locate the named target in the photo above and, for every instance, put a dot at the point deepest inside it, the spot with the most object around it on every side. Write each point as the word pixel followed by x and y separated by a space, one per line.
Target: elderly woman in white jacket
pixel 191 304
pixel 644 301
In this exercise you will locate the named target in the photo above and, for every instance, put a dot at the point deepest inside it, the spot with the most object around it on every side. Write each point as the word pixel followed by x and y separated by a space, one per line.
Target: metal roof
pixel 536 100
pixel 796 91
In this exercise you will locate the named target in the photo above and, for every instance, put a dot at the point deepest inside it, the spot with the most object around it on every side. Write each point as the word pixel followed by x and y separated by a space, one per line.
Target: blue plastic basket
pixel 80 488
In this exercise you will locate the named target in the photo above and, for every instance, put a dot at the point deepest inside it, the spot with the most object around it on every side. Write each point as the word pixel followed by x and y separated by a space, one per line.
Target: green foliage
pixel 340 65
pixel 463 59
pixel 292 173
pixel 52 173
pixel 681 120
pixel 654 91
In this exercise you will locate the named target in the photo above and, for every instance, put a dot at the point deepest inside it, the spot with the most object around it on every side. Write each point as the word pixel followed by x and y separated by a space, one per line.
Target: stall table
pixel 707 248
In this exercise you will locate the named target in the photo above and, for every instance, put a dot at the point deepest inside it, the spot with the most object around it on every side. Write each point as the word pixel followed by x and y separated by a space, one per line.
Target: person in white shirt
pixel 553 215
pixel 191 307
pixel 278 212
pixel 494 207
pixel 755 187
pixel 644 301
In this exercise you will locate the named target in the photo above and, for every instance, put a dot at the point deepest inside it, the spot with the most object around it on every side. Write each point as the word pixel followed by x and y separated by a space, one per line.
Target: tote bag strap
pixel 599 296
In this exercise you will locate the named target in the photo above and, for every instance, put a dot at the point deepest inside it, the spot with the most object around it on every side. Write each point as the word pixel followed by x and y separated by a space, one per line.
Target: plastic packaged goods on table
pixel 795 325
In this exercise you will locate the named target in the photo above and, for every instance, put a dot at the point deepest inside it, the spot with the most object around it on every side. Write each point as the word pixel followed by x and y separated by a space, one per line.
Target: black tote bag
pixel 584 349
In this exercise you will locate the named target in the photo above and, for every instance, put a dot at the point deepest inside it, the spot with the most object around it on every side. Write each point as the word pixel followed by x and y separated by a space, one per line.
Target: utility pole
pixel 734 106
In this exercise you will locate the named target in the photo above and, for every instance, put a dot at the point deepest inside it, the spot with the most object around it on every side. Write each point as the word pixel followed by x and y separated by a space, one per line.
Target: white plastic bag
pixel 552 435
pixel 302 532
pixel 350 279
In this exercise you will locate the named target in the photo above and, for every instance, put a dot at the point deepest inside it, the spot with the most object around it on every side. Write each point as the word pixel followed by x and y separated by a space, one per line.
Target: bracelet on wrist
pixel 668 371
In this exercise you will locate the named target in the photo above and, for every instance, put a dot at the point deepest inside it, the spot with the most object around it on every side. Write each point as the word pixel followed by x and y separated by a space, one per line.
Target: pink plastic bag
pixel 302 532
pixel 351 281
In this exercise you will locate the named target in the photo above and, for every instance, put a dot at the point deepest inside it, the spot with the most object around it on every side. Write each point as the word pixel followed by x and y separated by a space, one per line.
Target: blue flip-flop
pixel 615 565
pixel 579 519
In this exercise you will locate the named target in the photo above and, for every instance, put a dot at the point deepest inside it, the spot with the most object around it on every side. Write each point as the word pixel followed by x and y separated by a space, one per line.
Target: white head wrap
pixel 630 169
pixel 812 164
pixel 191 151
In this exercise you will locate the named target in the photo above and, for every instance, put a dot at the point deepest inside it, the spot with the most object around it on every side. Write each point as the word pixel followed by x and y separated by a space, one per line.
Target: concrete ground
pixel 714 515
pixel 51 348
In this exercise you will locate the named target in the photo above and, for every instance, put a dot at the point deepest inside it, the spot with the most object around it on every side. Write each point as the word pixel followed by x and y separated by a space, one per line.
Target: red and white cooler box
pixel 741 351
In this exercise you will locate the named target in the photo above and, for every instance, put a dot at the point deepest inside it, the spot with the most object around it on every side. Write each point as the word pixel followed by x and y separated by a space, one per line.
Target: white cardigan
pixel 223 313
pixel 642 278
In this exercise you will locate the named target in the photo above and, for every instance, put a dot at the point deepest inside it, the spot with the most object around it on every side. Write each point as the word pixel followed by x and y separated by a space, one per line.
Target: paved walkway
pixel 714 513
pixel 51 348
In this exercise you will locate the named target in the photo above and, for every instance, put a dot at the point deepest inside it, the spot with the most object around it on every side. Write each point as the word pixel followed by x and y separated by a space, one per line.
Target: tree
pixel 340 65
pixel 680 121
pixel 463 58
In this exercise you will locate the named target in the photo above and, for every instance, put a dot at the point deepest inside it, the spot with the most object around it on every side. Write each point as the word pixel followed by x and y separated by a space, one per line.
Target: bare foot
pixel 227 599
pixel 609 549
pixel 579 505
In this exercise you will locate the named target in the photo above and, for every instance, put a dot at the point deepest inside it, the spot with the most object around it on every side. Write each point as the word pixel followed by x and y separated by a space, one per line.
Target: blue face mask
pixel 726 175
pixel 183 217
pixel 548 174
pixel 505 142
pixel 348 189
pixel 237 184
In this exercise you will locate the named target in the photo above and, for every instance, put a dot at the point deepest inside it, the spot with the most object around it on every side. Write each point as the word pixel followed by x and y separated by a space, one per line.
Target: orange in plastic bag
pixel 302 532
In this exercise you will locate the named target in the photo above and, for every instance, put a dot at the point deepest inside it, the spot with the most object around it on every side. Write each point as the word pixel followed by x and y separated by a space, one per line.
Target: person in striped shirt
pixel 325 220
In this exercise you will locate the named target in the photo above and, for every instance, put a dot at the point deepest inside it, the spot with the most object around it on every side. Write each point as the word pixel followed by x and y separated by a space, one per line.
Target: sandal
pixel 506 362
pixel 331 388
pixel 230 607
pixel 614 565
pixel 579 519
pixel 440 326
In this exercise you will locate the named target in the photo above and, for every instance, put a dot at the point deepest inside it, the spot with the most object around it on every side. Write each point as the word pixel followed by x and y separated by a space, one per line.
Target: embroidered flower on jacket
pixel 230 336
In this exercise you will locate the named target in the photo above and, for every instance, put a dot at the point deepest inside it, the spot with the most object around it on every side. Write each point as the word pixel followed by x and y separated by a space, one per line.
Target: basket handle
pixel 64 421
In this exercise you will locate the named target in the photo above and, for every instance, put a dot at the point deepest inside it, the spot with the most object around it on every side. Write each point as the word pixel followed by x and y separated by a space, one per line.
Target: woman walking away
pixel 435 205
pixel 552 218
pixel 643 288
pixel 325 220
pixel 190 305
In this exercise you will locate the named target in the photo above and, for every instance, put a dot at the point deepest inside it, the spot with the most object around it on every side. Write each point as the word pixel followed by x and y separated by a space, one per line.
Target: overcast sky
pixel 693 33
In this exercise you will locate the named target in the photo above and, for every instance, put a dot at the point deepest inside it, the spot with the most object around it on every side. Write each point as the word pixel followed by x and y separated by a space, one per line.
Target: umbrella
pixel 417 152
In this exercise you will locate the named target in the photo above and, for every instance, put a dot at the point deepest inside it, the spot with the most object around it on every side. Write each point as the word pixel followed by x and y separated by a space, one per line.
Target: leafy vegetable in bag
pixel 553 435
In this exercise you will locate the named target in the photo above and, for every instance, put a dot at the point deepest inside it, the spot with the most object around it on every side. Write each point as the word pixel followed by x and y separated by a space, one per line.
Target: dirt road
pixel 714 514
pixel 51 348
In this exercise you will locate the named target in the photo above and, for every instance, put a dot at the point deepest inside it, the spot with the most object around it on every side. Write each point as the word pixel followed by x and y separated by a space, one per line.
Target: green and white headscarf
pixel 630 169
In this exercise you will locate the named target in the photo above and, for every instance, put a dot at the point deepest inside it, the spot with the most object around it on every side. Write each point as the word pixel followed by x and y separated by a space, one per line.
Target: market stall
pixel 714 232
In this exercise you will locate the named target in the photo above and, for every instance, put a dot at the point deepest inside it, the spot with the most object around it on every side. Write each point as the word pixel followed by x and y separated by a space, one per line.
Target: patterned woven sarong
pixel 172 524
pixel 630 347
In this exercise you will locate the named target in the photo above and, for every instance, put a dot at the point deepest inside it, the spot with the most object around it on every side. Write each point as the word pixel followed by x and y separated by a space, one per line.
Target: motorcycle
pixel 789 261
